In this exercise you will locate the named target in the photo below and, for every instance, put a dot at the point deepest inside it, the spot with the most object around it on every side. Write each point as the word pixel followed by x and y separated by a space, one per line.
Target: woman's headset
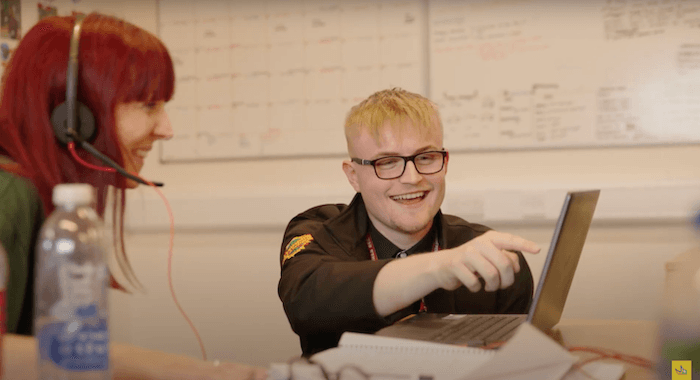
pixel 72 120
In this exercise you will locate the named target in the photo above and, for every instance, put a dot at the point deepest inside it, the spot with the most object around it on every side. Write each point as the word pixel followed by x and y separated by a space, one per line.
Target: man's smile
pixel 410 198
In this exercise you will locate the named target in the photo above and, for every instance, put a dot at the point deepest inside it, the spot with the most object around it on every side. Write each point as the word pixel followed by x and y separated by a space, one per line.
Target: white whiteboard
pixel 277 77
pixel 543 73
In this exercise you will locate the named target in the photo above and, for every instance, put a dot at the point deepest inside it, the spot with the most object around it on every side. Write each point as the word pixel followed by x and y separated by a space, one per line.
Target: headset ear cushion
pixel 85 123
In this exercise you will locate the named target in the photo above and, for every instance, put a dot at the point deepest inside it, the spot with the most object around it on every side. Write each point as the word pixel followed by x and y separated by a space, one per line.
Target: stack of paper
pixel 529 354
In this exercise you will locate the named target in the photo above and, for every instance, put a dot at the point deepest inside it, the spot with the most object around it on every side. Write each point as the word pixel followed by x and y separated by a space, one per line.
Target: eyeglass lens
pixel 393 167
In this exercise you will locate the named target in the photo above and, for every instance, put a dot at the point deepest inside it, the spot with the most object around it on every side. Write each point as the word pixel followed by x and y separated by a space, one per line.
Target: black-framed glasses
pixel 392 167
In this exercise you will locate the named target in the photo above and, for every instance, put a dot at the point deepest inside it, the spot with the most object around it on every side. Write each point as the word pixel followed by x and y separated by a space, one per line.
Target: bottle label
pixel 81 344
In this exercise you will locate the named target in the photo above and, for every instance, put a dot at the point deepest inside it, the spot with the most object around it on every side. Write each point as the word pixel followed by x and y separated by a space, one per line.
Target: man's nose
pixel 410 173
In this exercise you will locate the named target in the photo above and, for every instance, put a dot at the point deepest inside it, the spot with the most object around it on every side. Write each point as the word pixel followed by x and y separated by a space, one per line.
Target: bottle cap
pixel 72 193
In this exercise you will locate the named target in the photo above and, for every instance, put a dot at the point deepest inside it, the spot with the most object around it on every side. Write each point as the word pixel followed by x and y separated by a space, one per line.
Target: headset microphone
pixel 63 117
pixel 108 161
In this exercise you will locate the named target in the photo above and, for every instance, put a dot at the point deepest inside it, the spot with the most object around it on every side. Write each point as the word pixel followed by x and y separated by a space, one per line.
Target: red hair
pixel 118 63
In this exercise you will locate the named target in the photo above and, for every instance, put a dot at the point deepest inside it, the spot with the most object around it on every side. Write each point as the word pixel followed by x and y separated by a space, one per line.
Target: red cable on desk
pixel 610 354
pixel 602 354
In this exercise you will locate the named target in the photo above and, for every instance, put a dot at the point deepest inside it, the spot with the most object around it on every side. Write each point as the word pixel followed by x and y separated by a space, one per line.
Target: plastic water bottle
pixel 70 322
pixel 3 312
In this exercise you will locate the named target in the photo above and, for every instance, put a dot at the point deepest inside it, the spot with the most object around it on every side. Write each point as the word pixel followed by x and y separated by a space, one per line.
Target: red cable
pixel 71 148
pixel 170 265
pixel 601 354
pixel 610 354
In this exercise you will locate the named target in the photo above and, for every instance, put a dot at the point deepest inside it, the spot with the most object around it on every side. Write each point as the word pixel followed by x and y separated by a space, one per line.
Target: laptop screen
pixel 562 258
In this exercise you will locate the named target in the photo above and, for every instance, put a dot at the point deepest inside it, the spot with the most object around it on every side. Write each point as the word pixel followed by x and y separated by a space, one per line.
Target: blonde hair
pixel 395 106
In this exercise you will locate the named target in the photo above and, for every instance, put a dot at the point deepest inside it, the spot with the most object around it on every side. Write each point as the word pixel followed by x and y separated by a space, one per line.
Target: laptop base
pixel 474 330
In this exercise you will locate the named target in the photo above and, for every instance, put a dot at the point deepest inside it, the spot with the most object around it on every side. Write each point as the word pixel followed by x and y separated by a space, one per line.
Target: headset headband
pixel 72 120
pixel 72 75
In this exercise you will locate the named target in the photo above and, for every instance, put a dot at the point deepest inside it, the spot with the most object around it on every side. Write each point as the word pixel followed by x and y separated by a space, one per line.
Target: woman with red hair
pixel 125 76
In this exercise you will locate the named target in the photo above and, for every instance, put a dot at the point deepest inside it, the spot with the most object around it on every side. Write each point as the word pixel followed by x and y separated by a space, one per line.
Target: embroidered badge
pixel 296 245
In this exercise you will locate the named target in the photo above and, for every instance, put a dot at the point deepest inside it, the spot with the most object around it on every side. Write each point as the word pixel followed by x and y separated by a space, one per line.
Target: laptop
pixel 548 301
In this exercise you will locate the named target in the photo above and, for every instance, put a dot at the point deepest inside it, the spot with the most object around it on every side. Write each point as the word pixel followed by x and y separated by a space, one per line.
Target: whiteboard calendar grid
pixel 276 78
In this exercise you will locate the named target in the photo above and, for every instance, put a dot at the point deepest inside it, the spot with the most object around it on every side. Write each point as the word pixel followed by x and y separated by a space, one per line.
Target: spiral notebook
pixel 385 358
pixel 529 354
pixel 403 356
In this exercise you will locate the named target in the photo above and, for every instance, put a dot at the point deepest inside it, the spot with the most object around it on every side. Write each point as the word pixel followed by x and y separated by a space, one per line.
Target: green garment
pixel 21 217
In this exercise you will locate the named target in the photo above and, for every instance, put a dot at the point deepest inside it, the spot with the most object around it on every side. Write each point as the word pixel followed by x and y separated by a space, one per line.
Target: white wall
pixel 226 281
pixel 226 277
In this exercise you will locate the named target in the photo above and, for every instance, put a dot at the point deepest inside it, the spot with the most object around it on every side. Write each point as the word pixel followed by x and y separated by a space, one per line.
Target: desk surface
pixel 629 337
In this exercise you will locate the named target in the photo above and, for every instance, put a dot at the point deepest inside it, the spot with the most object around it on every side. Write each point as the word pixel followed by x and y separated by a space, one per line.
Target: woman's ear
pixel 350 172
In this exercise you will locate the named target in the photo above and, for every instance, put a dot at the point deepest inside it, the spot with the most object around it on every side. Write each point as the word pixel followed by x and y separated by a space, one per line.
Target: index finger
pixel 510 242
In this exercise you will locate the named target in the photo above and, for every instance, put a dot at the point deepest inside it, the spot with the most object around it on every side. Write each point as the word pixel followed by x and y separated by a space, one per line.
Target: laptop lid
pixel 563 256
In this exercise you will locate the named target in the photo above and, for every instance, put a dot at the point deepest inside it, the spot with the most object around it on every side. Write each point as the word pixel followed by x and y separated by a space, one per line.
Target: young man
pixel 391 252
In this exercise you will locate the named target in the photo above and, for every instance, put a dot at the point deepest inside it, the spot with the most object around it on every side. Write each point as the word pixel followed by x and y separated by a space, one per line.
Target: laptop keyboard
pixel 478 330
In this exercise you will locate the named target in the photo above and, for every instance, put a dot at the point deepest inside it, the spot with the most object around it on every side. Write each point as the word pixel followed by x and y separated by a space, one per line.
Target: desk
pixel 629 337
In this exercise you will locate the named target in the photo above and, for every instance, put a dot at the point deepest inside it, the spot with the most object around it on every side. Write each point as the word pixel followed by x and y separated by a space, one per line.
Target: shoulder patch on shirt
pixel 296 245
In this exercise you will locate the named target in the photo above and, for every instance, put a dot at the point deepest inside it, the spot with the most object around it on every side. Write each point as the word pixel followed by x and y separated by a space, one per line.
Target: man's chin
pixel 414 228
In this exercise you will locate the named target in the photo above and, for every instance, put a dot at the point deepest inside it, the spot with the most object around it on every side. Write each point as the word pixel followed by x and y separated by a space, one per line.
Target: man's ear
pixel 447 160
pixel 350 172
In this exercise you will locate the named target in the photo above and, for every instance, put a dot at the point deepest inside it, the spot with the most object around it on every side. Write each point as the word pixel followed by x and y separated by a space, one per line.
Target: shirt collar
pixel 387 250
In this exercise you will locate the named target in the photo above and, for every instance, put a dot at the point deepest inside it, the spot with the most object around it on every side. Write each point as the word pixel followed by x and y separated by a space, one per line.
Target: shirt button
pixel 401 255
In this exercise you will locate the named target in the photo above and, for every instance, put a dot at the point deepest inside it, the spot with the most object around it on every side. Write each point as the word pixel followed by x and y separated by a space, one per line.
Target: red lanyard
pixel 373 256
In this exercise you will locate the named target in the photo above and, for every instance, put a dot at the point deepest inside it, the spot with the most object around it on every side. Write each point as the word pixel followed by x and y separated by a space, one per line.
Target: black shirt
pixel 327 278
pixel 387 250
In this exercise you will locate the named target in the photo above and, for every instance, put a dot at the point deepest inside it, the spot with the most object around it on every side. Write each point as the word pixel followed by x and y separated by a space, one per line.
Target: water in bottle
pixel 70 322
